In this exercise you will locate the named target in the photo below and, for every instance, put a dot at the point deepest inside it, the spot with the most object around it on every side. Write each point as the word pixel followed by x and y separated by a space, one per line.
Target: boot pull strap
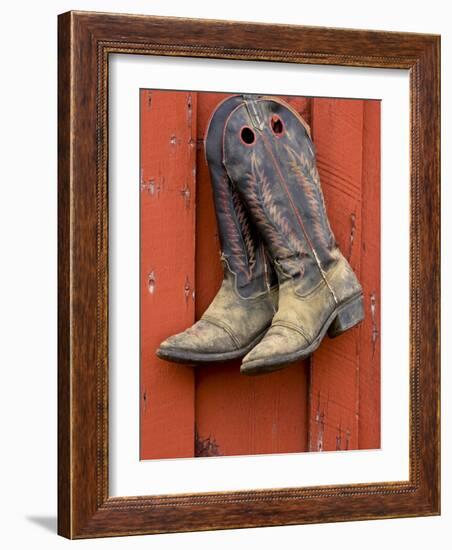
pixel 255 118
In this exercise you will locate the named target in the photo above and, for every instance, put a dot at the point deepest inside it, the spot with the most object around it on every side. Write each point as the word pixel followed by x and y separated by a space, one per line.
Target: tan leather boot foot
pixel 229 329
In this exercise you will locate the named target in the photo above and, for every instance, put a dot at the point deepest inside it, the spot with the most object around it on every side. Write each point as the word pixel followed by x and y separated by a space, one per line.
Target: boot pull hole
pixel 247 135
pixel 276 125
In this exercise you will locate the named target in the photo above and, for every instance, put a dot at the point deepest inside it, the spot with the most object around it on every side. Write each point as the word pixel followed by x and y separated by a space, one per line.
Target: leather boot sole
pixel 344 317
pixel 177 355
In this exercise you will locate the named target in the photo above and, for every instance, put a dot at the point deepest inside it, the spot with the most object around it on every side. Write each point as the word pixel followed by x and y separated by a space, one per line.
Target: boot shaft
pixel 270 156
pixel 242 248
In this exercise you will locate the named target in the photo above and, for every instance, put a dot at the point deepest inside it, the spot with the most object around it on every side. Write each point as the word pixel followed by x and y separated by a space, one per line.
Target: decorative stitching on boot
pixel 223 326
pixel 308 177
pixel 250 299
pixel 270 216
pixel 232 229
pixel 321 283
pixel 245 227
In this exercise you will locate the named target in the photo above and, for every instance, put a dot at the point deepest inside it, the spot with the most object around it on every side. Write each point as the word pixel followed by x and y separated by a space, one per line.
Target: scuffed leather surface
pixel 202 336
pixel 230 322
pixel 244 318
pixel 300 318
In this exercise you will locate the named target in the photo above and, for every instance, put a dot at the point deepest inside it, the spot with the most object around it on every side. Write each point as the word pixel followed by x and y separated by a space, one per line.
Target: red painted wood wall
pixel 328 402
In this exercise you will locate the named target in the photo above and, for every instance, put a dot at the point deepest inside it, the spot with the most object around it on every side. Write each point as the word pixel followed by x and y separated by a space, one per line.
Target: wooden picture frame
pixel 86 40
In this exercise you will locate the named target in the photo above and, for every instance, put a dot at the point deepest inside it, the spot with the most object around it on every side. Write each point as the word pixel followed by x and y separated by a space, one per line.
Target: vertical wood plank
pixel 369 332
pixel 337 127
pixel 238 415
pixel 167 271
pixel 209 272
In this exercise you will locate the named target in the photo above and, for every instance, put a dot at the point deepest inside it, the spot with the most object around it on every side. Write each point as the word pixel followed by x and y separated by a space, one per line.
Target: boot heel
pixel 347 317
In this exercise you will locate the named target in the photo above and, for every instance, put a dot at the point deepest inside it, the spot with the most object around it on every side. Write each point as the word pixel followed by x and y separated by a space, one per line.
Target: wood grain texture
pixel 85 41
pixel 369 337
pixel 247 40
pixel 64 295
pixel 167 266
pixel 345 372
pixel 338 137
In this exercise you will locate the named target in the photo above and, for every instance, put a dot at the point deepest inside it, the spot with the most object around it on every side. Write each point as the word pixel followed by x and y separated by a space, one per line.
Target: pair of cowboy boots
pixel 286 283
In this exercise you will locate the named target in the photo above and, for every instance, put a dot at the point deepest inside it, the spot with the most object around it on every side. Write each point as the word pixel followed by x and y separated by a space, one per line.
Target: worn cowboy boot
pixel 243 308
pixel 269 155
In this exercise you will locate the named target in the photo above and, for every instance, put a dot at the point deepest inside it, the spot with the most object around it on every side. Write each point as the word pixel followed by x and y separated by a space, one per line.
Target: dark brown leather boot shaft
pixel 241 244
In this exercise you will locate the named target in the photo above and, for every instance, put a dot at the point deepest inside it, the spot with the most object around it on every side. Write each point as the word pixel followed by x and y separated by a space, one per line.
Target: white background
pixel 28 272
pixel 128 476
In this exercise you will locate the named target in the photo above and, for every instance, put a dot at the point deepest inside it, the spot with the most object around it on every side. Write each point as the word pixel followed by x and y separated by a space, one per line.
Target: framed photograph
pixel 309 407
pixel 248 275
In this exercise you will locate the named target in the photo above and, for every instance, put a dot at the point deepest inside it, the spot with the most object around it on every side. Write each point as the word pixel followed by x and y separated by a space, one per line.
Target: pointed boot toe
pixel 202 342
pixel 281 346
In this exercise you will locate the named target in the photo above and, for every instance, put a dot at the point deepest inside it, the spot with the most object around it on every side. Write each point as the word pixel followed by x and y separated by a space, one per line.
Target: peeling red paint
pixel 186 195
pixel 373 315
pixel 206 446
pixel 152 186
pixel 352 234
pixel 320 420
pixel 189 110
pixel 187 288
pixel 151 282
